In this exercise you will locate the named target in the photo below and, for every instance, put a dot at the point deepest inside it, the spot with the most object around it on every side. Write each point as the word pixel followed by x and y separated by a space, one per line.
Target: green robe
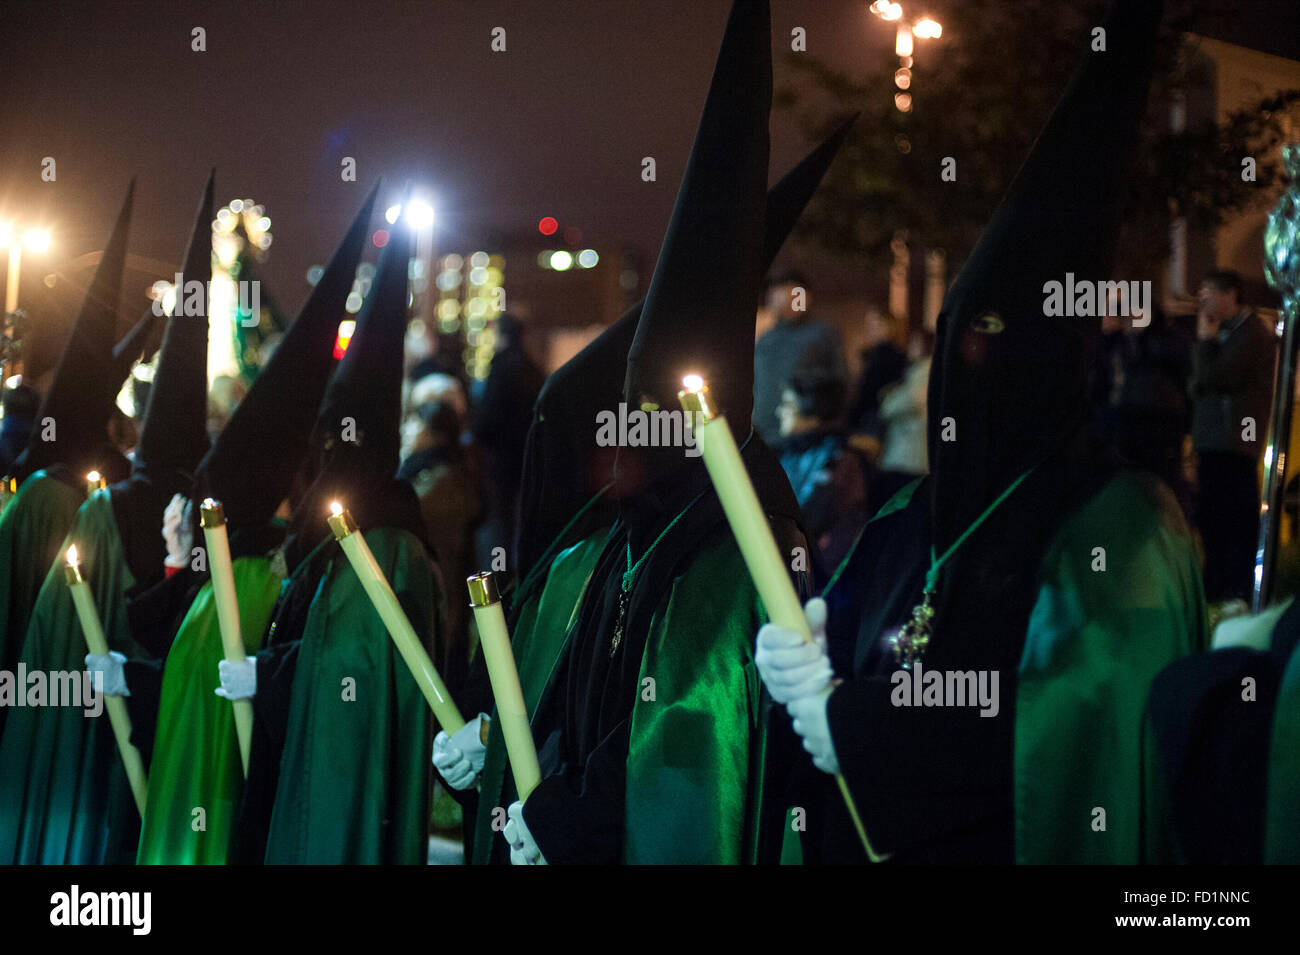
pixel 1282 808
pixel 355 772
pixel 33 526
pixel 1096 640
pixel 196 762
pixel 694 766
pixel 64 796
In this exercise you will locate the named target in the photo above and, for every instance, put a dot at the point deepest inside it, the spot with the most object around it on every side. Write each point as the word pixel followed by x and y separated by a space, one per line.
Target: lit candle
pixel 116 706
pixel 390 611
pixel 213 518
pixel 495 641
pixel 753 535
pixel 95 482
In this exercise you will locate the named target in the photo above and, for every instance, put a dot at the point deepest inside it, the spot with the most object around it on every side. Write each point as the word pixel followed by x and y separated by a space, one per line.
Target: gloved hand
pixel 238 678
pixel 810 722
pixel 459 757
pixel 178 532
pixel 791 667
pixel 110 665
pixel 523 847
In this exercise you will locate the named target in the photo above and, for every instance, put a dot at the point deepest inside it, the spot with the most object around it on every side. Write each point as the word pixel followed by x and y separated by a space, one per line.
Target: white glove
pixel 459 757
pixel 238 678
pixel 523 847
pixel 177 532
pixel 110 665
pixel 790 666
pixel 809 713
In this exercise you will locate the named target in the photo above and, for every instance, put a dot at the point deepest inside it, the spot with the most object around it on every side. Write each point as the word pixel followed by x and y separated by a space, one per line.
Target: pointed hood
pixel 133 345
pixel 80 398
pixel 563 464
pixel 174 435
pixel 1010 379
pixel 356 443
pixel 253 462
pixel 702 302
pixel 358 426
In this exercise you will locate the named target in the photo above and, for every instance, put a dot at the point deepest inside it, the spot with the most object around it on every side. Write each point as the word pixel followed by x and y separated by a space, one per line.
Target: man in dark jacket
pixel 1232 386
pixel 500 422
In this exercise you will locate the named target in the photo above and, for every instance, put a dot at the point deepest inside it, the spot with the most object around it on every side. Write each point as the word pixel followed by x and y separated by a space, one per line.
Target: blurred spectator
pixel 1140 393
pixel 21 404
pixel 1232 386
pixel 902 415
pixel 795 343
pixel 828 475
pixel 500 424
pixel 883 364
pixel 439 471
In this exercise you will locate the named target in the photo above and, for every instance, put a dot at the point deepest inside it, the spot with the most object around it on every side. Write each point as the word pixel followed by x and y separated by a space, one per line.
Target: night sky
pixel 557 125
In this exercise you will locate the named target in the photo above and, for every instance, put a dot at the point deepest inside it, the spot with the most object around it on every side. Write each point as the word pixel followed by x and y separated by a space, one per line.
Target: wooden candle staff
pixel 390 611
pixel 753 535
pixel 213 518
pixel 495 641
pixel 116 706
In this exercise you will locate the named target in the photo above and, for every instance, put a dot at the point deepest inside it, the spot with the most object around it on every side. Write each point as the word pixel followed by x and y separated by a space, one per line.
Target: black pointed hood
pixel 133 345
pixel 80 398
pixel 702 302
pixel 1009 379
pixel 253 462
pixel 356 443
pixel 174 435
pixel 359 423
pixel 563 465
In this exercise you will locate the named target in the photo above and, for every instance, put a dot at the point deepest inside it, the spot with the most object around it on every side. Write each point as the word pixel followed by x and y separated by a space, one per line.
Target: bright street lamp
pixel 36 240
pixel 925 28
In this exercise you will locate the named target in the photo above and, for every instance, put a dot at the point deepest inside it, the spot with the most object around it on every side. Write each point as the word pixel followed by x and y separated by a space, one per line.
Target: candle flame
pixel 693 383
pixel 336 508
pixel 93 476
pixel 210 504
pixel 72 555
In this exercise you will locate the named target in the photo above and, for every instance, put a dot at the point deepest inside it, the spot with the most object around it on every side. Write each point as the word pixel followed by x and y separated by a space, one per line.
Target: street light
pixel 926 28
pixel 36 240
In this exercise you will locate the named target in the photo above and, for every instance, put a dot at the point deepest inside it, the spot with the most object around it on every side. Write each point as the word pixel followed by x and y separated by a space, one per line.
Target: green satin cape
pixel 64 796
pixel 695 760
pixel 355 773
pixel 1096 640
pixel 33 526
pixel 196 760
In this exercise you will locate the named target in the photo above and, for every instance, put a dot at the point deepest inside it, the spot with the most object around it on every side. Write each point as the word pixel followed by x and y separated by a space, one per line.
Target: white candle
pixel 753 535
pixel 494 638
pixel 116 706
pixel 213 518
pixel 390 611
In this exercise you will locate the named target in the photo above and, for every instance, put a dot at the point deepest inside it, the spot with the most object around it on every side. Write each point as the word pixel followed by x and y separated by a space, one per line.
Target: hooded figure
pixel 250 468
pixel 1018 601
pixel 64 796
pixel 52 474
pixel 339 770
pixel 569 500
pixel 626 779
